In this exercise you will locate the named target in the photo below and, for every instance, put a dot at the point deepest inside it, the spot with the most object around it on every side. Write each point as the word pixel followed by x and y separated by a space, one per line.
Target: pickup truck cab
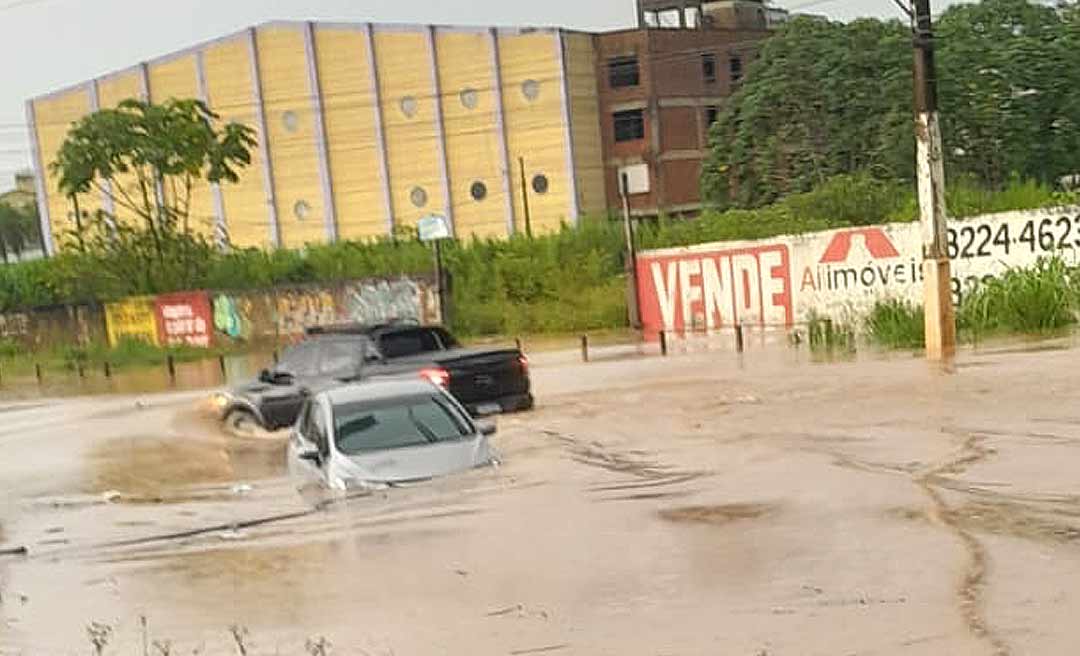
pixel 484 381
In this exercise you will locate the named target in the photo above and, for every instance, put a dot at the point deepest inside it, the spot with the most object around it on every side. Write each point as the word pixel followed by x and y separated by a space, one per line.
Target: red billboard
pixel 184 318
pixel 684 290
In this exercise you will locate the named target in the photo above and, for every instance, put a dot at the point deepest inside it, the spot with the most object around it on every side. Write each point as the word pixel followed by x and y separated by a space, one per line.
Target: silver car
pixel 376 433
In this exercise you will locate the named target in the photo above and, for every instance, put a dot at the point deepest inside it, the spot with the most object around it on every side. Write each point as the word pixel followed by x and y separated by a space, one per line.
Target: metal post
pixel 739 342
pixel 221 365
pixel 108 369
pixel 37 371
pixel 584 348
pixel 631 251
pixel 170 364
pixel 663 343
pixel 937 277
pixel 525 199
pixel 440 281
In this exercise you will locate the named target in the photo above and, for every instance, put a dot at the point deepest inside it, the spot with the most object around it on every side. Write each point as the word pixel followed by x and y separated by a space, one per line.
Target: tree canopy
pixel 828 98
pixel 148 159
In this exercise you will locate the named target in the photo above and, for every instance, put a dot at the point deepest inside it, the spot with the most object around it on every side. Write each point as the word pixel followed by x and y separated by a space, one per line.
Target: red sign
pixel 184 318
pixel 706 290
pixel 877 242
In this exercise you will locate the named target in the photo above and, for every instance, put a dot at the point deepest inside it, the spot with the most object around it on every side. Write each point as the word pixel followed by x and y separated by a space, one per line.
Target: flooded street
pixel 700 504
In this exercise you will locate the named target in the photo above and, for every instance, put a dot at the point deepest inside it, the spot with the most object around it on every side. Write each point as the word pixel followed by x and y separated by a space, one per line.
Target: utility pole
pixel 525 198
pixel 937 277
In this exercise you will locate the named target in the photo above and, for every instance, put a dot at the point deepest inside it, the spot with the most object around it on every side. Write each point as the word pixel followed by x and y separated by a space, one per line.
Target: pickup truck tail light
pixel 523 360
pixel 437 375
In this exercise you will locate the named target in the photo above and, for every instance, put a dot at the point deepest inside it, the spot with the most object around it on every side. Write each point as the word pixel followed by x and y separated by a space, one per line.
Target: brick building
pixel 661 87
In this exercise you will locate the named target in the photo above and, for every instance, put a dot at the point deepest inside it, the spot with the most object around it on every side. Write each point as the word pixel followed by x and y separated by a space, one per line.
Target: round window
pixel 470 98
pixel 540 184
pixel 418 196
pixel 409 106
pixel 291 121
pixel 478 191
pixel 530 89
pixel 302 210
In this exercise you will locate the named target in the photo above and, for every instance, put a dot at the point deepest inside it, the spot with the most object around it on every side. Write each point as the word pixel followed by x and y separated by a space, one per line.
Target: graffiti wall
pixel 51 326
pixel 132 318
pixel 184 318
pixel 837 273
pixel 285 313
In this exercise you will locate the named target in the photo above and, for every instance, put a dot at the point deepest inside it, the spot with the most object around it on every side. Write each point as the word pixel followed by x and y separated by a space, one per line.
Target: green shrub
pixel 896 324
pixel 1038 299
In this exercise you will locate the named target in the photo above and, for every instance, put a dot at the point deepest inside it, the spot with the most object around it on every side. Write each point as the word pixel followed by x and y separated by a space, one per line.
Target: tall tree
pixel 148 159
pixel 829 98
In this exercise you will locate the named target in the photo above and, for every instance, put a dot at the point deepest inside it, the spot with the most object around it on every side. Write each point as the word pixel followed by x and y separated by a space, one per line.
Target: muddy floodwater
pixel 699 504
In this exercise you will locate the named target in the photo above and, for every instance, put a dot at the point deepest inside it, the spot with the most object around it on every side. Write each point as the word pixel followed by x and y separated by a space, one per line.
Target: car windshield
pixel 363 427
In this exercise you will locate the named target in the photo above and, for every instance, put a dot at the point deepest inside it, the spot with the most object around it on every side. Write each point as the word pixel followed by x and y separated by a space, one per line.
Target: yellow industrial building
pixel 365 128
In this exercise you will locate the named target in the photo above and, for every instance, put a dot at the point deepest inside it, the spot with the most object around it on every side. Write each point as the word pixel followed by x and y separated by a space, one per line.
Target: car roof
pixel 381 390
pixel 362 328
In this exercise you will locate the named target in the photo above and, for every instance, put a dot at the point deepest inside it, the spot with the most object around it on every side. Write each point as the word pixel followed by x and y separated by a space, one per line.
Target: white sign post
pixel 434 228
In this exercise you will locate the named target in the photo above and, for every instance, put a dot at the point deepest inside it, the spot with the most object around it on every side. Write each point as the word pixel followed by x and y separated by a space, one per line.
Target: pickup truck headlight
pixel 221 400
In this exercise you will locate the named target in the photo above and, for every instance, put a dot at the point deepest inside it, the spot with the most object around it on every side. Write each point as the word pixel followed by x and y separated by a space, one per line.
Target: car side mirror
pixel 311 455
pixel 486 427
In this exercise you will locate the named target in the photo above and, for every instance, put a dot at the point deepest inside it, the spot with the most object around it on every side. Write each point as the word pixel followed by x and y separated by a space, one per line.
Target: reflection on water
pixel 136 380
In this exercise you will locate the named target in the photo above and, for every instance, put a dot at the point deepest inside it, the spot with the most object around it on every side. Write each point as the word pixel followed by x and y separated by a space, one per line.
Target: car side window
pixel 448 341
pixel 319 434
pixel 404 343
pixel 340 359
pixel 300 360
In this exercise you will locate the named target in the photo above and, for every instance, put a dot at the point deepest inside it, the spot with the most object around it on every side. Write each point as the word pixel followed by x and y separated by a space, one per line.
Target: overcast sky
pixel 47 44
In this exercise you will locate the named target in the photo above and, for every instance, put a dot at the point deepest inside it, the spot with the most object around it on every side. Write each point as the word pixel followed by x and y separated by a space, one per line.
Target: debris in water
pixel 15 551
pixel 111 496
pixel 242 488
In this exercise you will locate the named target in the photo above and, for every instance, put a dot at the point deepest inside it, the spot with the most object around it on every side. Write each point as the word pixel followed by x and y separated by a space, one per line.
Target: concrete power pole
pixel 937 277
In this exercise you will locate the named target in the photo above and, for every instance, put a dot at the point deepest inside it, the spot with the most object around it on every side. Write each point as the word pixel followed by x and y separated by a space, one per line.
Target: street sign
pixel 433 227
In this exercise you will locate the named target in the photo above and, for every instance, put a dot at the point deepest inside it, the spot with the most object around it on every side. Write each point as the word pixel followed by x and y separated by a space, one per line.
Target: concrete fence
pixel 783 281
pixel 207 318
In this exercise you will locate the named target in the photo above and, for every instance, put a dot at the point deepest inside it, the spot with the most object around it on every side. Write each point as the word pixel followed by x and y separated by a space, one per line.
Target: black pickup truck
pixel 485 381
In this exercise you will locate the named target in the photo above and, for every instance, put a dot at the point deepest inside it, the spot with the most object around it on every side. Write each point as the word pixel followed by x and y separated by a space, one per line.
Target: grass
pixel 896 324
pixel 1040 299
pixel 15 360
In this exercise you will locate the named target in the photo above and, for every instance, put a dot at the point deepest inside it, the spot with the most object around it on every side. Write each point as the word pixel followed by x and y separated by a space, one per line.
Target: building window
pixel 478 191
pixel 302 210
pixel 291 121
pixel 693 17
pixel 418 196
pixel 540 183
pixel 629 126
pixel 712 113
pixel 623 72
pixel 735 66
pixel 530 89
pixel 708 67
pixel 470 98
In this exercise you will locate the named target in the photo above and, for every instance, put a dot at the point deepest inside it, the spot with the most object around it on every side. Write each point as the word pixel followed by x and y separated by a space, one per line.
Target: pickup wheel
pixel 241 422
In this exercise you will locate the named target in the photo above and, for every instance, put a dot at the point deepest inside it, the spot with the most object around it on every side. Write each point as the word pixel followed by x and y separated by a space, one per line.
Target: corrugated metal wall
pixel 430 117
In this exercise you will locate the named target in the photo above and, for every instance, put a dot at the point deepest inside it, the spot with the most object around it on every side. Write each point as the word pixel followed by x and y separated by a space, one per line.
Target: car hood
pixel 413 463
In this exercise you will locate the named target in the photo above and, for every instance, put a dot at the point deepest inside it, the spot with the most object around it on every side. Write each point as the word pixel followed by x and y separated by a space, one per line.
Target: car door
pixel 302 441
pixel 281 404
